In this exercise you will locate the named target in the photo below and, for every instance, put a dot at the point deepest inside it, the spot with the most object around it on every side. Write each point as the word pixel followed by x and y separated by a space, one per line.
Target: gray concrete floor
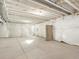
pixel 36 48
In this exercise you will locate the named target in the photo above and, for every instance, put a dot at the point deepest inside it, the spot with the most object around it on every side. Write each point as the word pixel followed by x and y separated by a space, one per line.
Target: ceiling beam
pixel 72 4
pixel 54 6
pixel 28 15
pixel 18 22
pixel 49 20
pixel 25 17
pixel 27 11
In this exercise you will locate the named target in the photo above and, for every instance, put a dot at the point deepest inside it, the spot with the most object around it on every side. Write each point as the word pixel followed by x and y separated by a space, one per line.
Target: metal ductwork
pixel 51 4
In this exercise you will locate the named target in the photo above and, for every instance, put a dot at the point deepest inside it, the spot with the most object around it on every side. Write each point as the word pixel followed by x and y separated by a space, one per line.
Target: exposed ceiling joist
pixel 20 11
pixel 19 4
pixel 15 9
pixel 18 22
pixel 72 4
pixel 49 20
pixel 29 14
pixel 25 8
pixel 22 16
pixel 53 5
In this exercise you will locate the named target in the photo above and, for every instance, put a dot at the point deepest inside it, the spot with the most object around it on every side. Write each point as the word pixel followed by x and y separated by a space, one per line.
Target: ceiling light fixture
pixel 38 12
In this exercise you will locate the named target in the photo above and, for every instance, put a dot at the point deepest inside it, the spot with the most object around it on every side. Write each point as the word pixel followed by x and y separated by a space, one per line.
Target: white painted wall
pixel 40 29
pixel 26 30
pixel 15 30
pixel 66 29
pixel 3 30
pixel 3 26
pixel 19 30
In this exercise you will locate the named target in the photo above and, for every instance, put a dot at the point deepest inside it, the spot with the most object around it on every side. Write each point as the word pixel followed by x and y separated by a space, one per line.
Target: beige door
pixel 49 33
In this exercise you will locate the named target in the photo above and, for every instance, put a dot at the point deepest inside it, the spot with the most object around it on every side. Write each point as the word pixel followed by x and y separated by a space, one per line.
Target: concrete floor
pixel 36 48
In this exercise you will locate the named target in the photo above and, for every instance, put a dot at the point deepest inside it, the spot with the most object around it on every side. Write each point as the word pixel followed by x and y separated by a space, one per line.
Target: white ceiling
pixel 29 11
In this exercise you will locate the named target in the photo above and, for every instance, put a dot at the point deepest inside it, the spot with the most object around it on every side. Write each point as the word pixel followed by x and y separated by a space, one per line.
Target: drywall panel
pixel 14 30
pixel 26 30
pixel 3 30
pixel 67 29
pixel 40 29
pixel 19 30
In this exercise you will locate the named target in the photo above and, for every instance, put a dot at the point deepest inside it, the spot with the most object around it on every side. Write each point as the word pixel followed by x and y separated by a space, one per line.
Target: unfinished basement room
pixel 39 29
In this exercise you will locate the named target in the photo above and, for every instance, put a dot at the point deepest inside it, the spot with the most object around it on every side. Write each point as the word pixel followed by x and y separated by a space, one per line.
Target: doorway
pixel 49 32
